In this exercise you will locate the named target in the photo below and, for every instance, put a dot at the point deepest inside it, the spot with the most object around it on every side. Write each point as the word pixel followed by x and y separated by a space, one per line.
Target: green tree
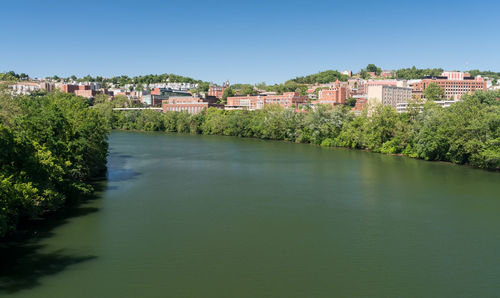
pixel 351 101
pixel 228 92
pixel 434 92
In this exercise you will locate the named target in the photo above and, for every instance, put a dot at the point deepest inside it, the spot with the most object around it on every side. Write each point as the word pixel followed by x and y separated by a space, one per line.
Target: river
pixel 207 216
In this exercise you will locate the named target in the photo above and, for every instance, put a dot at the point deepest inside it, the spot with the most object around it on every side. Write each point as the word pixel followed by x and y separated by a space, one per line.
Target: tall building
pixel 454 84
pixel 388 95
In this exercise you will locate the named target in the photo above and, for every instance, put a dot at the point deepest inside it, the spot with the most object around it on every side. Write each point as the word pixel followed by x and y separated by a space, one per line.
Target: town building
pixel 190 104
pixel 347 73
pixel 247 102
pixel 87 93
pixel 287 100
pixel 360 105
pixel 387 74
pixel 332 96
pixel 403 107
pixel 156 97
pixel 388 95
pixel 29 87
pixel 311 94
pixel 217 91
pixel 454 85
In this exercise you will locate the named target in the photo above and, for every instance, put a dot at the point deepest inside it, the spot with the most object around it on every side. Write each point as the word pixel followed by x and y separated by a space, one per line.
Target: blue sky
pixel 250 41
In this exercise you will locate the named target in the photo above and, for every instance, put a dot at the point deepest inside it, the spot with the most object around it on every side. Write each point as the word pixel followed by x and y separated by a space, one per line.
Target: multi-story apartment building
pixel 190 104
pixel 158 95
pixel 332 96
pixel 28 87
pixel 388 95
pixel 454 84
pixel 287 100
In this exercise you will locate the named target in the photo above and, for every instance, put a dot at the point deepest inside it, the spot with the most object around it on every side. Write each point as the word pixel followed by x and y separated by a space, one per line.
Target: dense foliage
pixel 12 76
pixel 138 80
pixel 434 92
pixel 468 132
pixel 490 74
pixel 415 73
pixel 51 146
pixel 323 77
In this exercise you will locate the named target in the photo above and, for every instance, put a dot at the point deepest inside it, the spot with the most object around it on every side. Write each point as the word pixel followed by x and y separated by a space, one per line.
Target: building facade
pixel 388 95
pixel 156 97
pixel 217 91
pixel 287 100
pixel 453 89
pixel 333 96
pixel 190 104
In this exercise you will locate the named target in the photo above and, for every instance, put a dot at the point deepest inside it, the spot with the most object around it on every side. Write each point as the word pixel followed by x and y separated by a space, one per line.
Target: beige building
pixel 388 95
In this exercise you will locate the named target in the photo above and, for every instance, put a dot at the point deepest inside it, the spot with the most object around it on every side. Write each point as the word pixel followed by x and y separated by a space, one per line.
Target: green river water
pixel 206 216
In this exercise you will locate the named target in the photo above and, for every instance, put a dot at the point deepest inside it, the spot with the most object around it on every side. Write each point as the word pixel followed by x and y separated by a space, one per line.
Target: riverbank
pixel 52 148
pixel 210 216
pixel 466 133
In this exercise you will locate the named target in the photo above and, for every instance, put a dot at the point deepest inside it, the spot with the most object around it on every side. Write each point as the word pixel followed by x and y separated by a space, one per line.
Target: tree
pixel 351 101
pixel 433 92
pixel 321 78
pixel 228 92
pixel 364 74
pixel 373 68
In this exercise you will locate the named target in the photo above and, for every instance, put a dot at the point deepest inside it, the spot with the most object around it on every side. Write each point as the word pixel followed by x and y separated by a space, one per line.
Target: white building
pixel 388 95
pixel 402 107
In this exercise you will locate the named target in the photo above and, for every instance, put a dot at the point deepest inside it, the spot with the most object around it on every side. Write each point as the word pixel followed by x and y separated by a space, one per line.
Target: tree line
pixel 466 133
pixel 51 147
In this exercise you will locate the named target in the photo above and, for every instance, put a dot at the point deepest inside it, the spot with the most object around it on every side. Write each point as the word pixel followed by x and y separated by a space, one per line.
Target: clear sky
pixel 245 41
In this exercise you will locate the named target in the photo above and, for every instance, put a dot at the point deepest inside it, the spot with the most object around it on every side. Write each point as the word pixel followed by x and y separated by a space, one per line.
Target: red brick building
pixel 387 74
pixel 333 96
pixel 453 89
pixel 360 104
pixel 88 93
pixel 69 88
pixel 217 91
pixel 287 100
pixel 190 104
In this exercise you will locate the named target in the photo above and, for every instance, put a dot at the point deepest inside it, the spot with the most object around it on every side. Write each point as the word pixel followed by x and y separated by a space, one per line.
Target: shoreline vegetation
pixel 467 133
pixel 52 148
pixel 54 145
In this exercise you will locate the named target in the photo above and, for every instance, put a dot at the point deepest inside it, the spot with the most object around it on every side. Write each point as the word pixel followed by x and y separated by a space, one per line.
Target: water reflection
pixel 24 260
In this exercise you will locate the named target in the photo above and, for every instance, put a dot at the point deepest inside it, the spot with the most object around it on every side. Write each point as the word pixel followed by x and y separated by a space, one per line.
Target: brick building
pixel 190 104
pixel 332 96
pixel 88 93
pixel 387 74
pixel 453 88
pixel 156 97
pixel 287 100
pixel 217 91
pixel 360 104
